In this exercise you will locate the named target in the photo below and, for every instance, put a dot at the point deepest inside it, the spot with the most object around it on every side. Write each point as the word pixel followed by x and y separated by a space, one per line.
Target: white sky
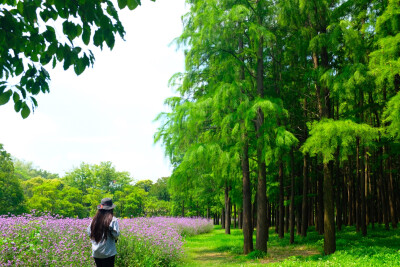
pixel 106 113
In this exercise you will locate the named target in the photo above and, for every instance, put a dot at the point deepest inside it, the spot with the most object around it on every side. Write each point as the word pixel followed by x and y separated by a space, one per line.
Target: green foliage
pixel 216 110
pixel 79 192
pixel 146 185
pixel 29 43
pixel 25 171
pixel 392 117
pixel 256 254
pixel 384 63
pixel 11 194
pixel 155 207
pixel 160 189
pixel 52 195
pixel 130 201
pixel 103 176
pixel 327 136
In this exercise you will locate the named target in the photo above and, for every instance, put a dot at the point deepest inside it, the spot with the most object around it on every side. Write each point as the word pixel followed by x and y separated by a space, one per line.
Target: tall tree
pixel 11 194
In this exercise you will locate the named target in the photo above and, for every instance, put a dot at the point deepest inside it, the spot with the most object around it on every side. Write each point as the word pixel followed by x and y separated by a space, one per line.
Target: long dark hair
pixel 100 225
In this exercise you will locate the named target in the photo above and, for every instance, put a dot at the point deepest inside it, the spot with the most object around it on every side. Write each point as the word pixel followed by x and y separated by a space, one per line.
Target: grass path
pixel 379 248
pixel 218 249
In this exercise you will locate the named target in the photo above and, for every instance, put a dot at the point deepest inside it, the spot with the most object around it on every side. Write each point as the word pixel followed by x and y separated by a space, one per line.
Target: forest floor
pixel 379 248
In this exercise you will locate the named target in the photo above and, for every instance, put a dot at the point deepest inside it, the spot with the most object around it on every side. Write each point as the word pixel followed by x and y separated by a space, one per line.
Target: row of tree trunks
pixel 376 190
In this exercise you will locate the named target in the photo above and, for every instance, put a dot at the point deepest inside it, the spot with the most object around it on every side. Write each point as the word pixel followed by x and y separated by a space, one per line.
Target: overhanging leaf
pixel 132 4
pixel 122 3
pixel 5 97
pixel 25 111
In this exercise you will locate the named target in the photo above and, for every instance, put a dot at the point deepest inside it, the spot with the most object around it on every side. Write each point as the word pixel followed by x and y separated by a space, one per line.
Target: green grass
pixel 379 248
pixel 215 249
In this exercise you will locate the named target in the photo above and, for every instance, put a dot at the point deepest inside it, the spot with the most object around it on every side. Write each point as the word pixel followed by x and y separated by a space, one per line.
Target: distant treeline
pixel 24 188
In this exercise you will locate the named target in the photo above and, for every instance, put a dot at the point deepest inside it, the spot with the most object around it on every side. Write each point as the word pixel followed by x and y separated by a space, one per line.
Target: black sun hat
pixel 106 204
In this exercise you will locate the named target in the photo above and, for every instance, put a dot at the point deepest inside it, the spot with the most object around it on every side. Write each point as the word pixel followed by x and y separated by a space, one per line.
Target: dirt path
pixel 208 257
pixel 276 254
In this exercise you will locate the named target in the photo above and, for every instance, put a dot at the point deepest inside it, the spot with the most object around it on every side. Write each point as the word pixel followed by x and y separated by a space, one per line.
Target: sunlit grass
pixel 379 248
pixel 216 249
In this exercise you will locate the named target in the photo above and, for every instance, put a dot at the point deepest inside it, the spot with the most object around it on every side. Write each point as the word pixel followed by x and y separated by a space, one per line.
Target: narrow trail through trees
pixel 218 249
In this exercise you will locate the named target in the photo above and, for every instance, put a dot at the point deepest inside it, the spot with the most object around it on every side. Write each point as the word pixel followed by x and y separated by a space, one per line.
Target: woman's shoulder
pixel 114 223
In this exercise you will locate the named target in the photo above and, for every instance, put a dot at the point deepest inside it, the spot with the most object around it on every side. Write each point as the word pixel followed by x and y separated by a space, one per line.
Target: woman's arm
pixel 114 228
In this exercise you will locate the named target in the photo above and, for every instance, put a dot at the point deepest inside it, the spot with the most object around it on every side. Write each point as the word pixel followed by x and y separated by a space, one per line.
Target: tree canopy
pixel 37 34
pixel 287 104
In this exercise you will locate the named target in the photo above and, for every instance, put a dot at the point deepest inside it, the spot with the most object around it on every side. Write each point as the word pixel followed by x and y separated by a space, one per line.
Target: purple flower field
pixel 30 240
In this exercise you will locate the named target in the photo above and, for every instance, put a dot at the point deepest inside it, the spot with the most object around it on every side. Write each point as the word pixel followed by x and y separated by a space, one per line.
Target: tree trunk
pixel 292 197
pixel 276 212
pixel 368 186
pixel 339 193
pixel 345 196
pixel 304 212
pixel 384 193
pixel 281 201
pixel 350 196
pixel 227 210
pixel 392 204
pixel 357 187
pixel 247 222
pixel 183 208
pixel 262 227
pixel 298 217
pixel 287 217
pixel 373 206
pixel 240 219
pixel 254 210
pixel 246 216
pixel 320 201
pixel 361 179
pixel 329 214
pixel 268 218
pixel 223 218
pixel 317 86
pixel 234 216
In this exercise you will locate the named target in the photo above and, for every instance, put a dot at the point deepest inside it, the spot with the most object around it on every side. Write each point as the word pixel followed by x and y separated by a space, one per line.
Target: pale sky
pixel 106 113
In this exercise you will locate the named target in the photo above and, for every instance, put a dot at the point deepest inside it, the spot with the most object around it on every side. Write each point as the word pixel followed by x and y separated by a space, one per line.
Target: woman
pixel 104 231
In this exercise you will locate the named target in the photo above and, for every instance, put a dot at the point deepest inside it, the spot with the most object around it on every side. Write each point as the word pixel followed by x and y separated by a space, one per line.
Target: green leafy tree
pixel 46 196
pixel 109 179
pixel 35 34
pixel 70 204
pixel 26 170
pixel 11 194
pixel 81 177
pixel 102 176
pixel 29 185
pixel 54 196
pixel 156 207
pixel 91 199
pixel 146 185
pixel 160 189
pixel 130 201
pixel 392 117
